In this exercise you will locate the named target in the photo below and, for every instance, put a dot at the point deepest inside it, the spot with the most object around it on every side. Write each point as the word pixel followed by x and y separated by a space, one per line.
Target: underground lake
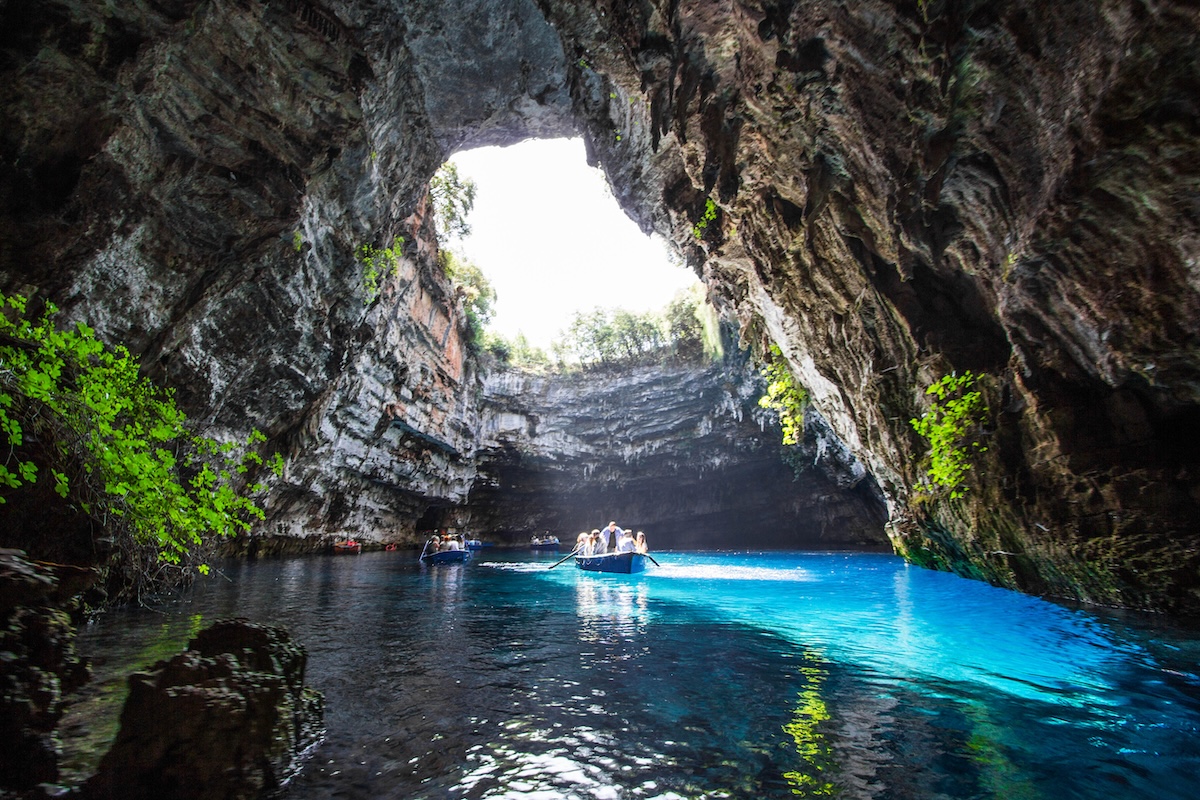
pixel 713 675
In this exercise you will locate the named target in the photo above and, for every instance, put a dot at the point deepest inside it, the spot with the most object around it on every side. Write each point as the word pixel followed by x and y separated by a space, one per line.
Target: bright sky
pixel 548 234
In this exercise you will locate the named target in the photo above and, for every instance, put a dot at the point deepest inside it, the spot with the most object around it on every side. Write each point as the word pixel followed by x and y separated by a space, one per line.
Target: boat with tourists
pixel 445 557
pixel 546 542
pixel 347 546
pixel 477 544
pixel 620 563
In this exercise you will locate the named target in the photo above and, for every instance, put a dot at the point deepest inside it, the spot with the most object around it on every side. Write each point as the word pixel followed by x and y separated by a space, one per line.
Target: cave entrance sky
pixel 552 239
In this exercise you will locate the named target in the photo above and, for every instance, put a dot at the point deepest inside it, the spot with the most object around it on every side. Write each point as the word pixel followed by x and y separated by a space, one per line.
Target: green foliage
pixel 77 413
pixel 297 241
pixel 378 264
pixel 527 355
pixel 478 294
pixel 710 215
pixel 952 425
pixel 686 329
pixel 497 346
pixel 517 352
pixel 453 200
pixel 784 396
pixel 610 337
pixel 693 328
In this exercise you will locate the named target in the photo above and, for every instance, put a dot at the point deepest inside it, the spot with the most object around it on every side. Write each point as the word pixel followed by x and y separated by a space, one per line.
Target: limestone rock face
pixel 682 453
pixel 905 190
pixel 896 191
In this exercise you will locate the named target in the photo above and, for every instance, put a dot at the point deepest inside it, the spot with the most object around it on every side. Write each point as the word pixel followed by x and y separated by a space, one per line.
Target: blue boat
pixel 446 557
pixel 544 543
pixel 623 563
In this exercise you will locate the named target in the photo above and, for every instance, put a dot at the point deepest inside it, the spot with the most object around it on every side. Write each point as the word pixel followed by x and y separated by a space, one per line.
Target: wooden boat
pixel 446 557
pixel 347 546
pixel 623 563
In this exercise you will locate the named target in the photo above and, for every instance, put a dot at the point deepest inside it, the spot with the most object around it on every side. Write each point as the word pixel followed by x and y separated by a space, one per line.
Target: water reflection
pixel 813 779
pixel 444 584
pixel 608 608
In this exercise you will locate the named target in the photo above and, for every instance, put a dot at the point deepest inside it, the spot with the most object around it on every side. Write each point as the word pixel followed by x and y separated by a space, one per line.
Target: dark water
pixel 714 676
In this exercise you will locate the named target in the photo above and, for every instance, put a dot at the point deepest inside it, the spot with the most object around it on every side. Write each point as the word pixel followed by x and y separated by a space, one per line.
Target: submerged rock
pixel 229 717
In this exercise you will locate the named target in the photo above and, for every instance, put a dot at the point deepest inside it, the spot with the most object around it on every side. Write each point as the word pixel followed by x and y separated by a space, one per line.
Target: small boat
pixel 347 546
pixel 544 543
pixel 476 544
pixel 446 557
pixel 623 563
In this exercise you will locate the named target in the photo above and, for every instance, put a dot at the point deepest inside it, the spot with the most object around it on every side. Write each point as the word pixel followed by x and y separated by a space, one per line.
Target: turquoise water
pixel 742 675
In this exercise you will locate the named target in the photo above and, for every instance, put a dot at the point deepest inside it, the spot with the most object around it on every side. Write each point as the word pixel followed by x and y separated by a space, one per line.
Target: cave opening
pixel 553 242
pixel 671 441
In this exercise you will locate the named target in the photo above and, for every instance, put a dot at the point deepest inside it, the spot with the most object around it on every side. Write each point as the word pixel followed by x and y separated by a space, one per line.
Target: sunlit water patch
pixel 710 676
pixel 904 622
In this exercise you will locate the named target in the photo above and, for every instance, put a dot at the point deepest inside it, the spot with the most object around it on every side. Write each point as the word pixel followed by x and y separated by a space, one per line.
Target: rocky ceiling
pixel 900 189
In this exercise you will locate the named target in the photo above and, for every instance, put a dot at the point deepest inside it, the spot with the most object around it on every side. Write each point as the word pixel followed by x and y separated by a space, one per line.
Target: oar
pixel 652 561
pixel 423 550
pixel 564 558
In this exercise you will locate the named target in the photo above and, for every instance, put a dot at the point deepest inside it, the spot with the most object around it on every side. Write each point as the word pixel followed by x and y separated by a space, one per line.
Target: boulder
pixel 38 665
pixel 227 718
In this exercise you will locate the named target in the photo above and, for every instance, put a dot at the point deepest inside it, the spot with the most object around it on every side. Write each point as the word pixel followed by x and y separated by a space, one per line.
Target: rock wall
pixel 39 666
pixel 681 452
pixel 907 189
pixel 900 189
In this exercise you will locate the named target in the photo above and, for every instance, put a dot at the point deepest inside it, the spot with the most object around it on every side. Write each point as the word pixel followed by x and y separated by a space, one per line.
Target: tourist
pixel 610 533
pixel 583 543
pixel 598 545
pixel 639 543
pixel 450 544
pixel 435 544
pixel 625 542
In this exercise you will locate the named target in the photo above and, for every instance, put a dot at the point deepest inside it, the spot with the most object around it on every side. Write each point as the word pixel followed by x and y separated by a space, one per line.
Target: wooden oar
pixel 564 558
pixel 652 561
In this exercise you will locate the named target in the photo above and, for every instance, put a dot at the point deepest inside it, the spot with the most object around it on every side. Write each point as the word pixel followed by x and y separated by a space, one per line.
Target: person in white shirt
pixel 611 531
pixel 625 543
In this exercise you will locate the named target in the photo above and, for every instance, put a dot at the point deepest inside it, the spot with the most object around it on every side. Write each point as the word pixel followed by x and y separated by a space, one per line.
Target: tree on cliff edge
pixel 98 461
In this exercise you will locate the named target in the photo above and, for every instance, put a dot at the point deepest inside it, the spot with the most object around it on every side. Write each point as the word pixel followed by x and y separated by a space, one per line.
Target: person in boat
pixel 639 543
pixel 625 543
pixel 450 544
pixel 601 537
pixel 609 535
pixel 435 544
pixel 583 543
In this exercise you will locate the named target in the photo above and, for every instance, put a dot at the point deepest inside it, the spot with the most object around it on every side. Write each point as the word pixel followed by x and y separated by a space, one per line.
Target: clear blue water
pixel 715 675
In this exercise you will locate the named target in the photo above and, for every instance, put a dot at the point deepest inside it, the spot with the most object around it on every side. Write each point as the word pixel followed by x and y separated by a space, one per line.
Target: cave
pixel 899 191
